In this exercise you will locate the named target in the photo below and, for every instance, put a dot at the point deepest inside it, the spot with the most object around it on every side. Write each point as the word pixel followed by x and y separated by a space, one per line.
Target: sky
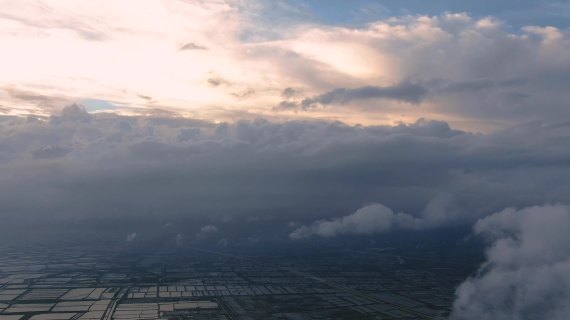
pixel 229 121
pixel 478 65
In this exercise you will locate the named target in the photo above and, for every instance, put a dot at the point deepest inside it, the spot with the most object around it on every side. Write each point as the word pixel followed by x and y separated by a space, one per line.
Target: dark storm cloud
pixel 80 167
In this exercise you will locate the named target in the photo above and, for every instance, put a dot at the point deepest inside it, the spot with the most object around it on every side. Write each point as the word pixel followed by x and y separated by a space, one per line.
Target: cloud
pixel 179 239
pixel 74 112
pixel 371 219
pixel 403 92
pixel 243 94
pixel 288 93
pixel 527 272
pixel 206 232
pixel 473 73
pixel 209 229
pixel 131 237
pixel 124 173
pixel 471 68
pixel 218 81
pixel 378 219
pixel 192 46
pixel 406 92
pixel 223 242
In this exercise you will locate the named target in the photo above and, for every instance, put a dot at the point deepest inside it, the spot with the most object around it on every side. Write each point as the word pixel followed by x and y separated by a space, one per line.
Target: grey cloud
pixel 289 93
pixel 474 86
pixel 209 229
pixel 5 110
pixel 207 232
pixel 50 152
pixel 179 239
pixel 243 94
pixel 131 237
pixel 492 75
pixel 286 105
pixel 217 81
pixel 73 112
pixel 81 168
pixel 403 92
pixel 527 272
pixel 88 30
pixel 192 46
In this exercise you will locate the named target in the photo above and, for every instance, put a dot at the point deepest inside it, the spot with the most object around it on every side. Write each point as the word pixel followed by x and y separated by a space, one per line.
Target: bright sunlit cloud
pixel 222 60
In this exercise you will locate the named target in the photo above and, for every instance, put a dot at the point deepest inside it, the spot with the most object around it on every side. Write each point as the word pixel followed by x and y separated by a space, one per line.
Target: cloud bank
pixel 527 272
pixel 106 170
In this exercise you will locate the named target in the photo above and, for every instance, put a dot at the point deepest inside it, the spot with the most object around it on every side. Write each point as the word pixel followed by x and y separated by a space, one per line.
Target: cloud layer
pixel 77 167
pixel 527 272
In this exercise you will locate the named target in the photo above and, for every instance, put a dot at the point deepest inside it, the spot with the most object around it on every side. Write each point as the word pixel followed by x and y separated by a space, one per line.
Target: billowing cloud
pixel 371 219
pixel 527 272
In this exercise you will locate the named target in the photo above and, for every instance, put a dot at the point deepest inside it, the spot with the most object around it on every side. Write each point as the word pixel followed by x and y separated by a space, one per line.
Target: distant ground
pixel 376 281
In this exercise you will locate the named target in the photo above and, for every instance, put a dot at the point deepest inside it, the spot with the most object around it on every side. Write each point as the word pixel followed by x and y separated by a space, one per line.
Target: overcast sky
pixel 223 120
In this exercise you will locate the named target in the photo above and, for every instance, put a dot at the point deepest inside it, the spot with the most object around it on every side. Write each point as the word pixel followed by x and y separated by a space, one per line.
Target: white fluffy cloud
pixel 527 272
pixel 377 219
pixel 371 219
